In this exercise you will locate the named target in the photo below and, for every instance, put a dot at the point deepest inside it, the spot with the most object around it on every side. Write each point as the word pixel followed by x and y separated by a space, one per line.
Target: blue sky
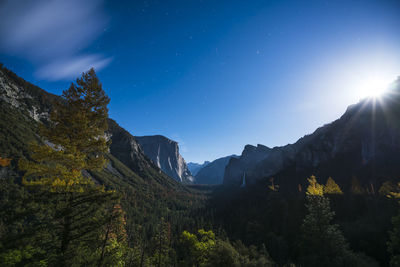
pixel 213 75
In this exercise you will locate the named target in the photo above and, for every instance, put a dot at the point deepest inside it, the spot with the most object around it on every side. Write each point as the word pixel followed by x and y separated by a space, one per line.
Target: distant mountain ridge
pixel 194 168
pixel 164 152
pixel 213 172
pixel 250 156
pixel 363 143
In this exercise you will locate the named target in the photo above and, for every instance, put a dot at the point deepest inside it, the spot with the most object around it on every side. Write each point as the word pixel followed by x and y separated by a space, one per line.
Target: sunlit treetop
pixel 314 188
pixel 331 187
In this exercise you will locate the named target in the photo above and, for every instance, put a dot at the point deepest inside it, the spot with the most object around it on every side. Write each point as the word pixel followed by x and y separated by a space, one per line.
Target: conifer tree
pixel 114 248
pixel 331 187
pixel 73 142
pixel 394 234
pixel 322 242
pixel 356 187
pixel 162 244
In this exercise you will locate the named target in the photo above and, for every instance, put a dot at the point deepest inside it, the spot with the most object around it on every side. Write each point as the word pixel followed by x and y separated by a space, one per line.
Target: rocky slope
pixel 364 143
pixel 236 167
pixel 24 105
pixel 164 153
pixel 147 194
pixel 213 172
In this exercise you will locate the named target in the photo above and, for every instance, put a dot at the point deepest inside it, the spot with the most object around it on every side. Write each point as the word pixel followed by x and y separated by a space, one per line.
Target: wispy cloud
pixel 52 34
pixel 68 68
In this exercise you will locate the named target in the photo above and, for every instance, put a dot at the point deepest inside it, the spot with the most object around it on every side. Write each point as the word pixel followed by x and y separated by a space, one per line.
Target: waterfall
pixel 244 180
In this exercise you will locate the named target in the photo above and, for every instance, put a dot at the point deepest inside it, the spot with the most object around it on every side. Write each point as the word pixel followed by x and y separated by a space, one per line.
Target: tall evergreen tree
pixel 394 234
pixel 322 243
pixel 162 245
pixel 356 187
pixel 74 143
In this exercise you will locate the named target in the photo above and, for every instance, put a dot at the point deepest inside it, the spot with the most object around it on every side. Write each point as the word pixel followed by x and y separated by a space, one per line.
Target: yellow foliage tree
pixel 331 187
pixel 387 188
pixel 314 188
pixel 4 162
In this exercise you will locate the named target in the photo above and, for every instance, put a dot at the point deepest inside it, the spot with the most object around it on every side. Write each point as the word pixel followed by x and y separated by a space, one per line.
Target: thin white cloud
pixel 72 67
pixel 51 34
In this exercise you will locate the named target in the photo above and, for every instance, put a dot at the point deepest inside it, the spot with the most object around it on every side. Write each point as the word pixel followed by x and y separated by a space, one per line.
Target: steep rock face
pixel 236 167
pixel 213 172
pixel 126 149
pixel 23 106
pixel 165 154
pixel 24 96
pixel 194 168
pixel 363 143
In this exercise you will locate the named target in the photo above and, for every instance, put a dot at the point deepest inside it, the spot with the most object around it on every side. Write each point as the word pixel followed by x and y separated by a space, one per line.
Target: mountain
pixel 237 166
pixel 147 194
pixel 164 153
pixel 213 172
pixel 363 144
pixel 30 105
pixel 194 168
pixel 23 106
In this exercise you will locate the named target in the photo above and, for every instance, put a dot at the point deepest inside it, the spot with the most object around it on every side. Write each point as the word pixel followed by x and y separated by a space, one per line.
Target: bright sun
pixel 374 86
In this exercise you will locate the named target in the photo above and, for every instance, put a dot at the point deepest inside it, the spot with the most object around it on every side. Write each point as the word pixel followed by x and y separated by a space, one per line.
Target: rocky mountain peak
pixel 364 138
pixel 164 152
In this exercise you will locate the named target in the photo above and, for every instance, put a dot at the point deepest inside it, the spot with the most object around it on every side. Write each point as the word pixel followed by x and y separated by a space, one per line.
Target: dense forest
pixel 68 202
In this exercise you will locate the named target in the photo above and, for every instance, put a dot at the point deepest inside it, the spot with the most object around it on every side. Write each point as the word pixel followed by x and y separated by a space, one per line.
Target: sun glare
pixel 374 86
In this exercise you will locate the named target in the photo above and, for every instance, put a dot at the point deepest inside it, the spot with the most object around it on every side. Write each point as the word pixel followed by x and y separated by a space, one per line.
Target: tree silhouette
pixel 322 242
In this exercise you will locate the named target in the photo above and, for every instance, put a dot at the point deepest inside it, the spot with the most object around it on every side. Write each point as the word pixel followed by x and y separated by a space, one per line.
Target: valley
pixel 260 222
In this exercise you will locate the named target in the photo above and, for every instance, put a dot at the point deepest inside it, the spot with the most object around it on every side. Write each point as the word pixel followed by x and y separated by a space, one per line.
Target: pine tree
pixel 394 234
pixel 331 187
pixel 74 142
pixel 162 244
pixel 114 248
pixel 356 187
pixel 322 243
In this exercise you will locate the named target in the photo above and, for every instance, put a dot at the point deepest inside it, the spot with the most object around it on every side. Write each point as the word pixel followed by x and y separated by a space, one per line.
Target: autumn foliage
pixel 4 162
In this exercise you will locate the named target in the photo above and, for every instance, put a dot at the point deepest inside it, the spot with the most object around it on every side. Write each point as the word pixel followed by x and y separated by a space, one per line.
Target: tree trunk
pixel 66 234
pixel 103 248
pixel 142 257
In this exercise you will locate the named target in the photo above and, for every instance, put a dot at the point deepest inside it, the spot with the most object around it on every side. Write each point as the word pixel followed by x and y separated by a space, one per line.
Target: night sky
pixel 212 75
